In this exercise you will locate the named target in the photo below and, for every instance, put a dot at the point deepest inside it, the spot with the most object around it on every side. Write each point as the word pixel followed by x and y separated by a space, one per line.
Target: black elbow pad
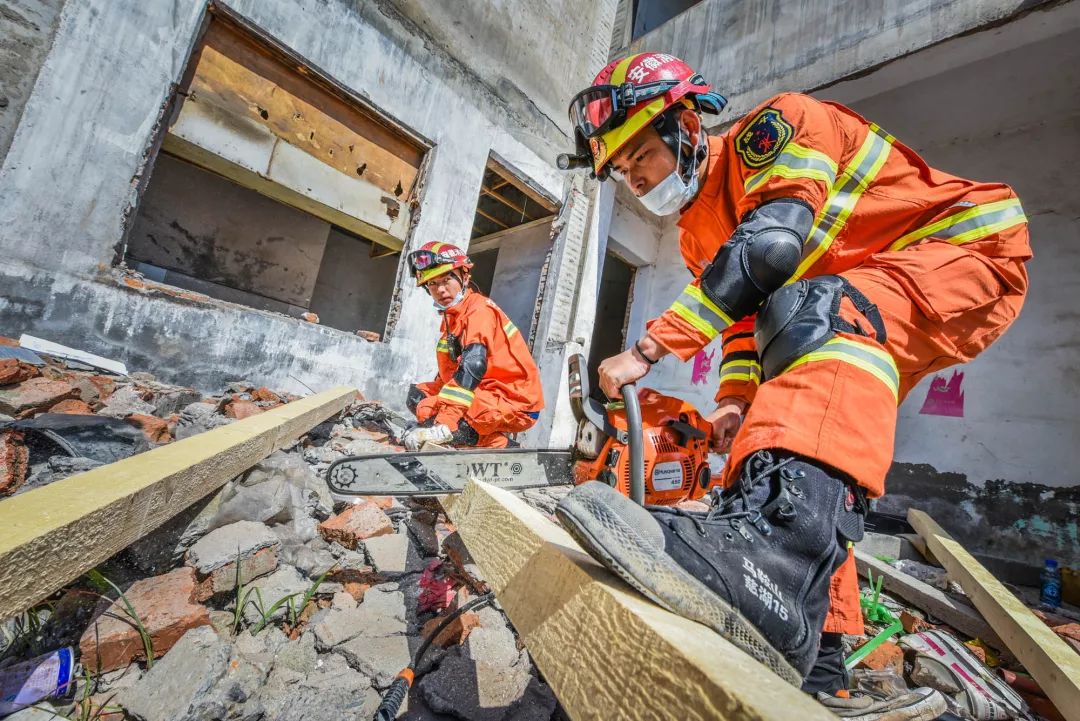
pixel 762 253
pixel 472 367
pixel 413 398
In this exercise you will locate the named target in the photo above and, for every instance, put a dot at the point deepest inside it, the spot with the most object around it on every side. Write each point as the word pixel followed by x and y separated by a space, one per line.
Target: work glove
pixel 415 438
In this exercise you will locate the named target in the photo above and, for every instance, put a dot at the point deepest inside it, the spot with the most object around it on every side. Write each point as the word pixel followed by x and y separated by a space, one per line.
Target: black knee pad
pixel 465 435
pixel 801 317
pixel 413 398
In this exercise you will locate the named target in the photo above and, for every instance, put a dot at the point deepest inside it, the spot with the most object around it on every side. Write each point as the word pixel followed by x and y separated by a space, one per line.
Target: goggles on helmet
pixel 423 259
pixel 598 109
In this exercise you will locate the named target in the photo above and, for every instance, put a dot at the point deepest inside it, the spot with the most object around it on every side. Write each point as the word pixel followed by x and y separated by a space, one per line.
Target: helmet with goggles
pixel 627 96
pixel 435 258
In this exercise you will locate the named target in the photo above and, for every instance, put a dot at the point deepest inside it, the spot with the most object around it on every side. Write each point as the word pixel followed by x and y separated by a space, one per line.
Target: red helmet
pixel 627 95
pixel 434 259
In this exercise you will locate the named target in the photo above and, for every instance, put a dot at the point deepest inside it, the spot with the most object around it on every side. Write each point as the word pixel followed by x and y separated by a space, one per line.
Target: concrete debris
pixel 393 555
pixel 269 590
pixel 198 418
pixel 356 523
pixel 216 556
pixel 125 401
pixel 13 370
pixel 166 608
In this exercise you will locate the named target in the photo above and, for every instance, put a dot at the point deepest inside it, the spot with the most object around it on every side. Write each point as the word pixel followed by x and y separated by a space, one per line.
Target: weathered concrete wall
pixel 517 273
pixel 200 224
pixel 1001 476
pixel 751 50
pixel 26 33
pixel 58 242
pixel 353 291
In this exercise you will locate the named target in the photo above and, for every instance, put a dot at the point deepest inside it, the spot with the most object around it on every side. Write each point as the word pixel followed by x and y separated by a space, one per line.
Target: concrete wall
pixel 752 50
pixel 202 225
pixel 26 33
pixel 1001 476
pixel 87 138
pixel 517 273
pixel 354 290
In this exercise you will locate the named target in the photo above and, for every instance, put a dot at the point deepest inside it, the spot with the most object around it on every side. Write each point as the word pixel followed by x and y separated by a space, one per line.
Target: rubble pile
pixel 265 600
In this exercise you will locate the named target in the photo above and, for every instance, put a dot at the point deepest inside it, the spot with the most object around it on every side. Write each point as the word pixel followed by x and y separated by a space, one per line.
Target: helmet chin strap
pixel 457 298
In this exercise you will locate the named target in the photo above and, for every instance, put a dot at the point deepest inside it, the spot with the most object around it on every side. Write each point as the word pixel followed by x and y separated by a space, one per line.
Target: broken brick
pixel 73 407
pixel 13 461
pixel 155 429
pixel 913 623
pixel 356 589
pixel 369 335
pixel 886 656
pixel 167 609
pixel 265 395
pixel 356 523
pixel 1068 630
pixel 10 342
pixel 34 394
pixel 310 317
pixel 241 409
pixel 15 371
pixel 383 502
pixel 455 632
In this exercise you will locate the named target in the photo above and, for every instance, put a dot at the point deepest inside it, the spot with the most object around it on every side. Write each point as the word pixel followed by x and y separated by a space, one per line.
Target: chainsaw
pixel 651 447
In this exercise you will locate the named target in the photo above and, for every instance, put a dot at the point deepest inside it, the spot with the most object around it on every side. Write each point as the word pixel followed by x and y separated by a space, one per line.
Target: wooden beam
pixel 492 218
pixel 506 201
pixel 533 191
pixel 606 651
pixel 494 240
pixel 933 601
pixel 55 533
pixel 1049 660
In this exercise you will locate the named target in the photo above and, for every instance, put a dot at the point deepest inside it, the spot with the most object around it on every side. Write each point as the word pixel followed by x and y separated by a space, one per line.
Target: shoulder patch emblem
pixel 763 138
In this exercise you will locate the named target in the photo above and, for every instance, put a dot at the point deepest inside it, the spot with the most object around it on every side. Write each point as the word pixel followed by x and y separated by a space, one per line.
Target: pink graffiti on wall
pixel 702 366
pixel 945 398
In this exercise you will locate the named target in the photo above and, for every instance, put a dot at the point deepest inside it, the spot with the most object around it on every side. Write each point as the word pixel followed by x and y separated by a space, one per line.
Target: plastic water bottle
pixel 1050 596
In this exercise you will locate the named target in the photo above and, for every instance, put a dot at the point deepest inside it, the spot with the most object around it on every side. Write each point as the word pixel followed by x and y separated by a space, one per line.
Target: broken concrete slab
pixel 283 582
pixel 393 555
pixel 166 607
pixel 125 401
pixel 198 418
pixel 178 686
pixel 380 658
pixel 299 655
pixel 215 556
pixel 382 613
pixel 333 691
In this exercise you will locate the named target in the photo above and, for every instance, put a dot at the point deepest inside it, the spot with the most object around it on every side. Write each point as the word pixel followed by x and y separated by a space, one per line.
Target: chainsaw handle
pixel 635 441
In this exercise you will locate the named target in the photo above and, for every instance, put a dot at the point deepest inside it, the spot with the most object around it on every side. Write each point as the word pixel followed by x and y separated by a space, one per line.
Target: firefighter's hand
pixel 418 436
pixel 618 370
pixel 726 420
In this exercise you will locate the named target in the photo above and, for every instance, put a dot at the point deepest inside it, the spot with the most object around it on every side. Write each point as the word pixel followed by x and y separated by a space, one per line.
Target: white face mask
pixel 672 193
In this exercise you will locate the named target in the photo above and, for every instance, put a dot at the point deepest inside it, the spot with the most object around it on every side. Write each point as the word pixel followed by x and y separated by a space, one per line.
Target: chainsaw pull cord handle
pixel 634 441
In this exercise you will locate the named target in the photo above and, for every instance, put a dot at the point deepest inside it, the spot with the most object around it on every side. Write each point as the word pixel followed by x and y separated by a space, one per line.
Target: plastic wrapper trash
pixel 24 684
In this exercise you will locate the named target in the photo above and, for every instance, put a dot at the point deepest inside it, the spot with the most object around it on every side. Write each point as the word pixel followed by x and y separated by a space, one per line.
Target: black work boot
pixel 755 568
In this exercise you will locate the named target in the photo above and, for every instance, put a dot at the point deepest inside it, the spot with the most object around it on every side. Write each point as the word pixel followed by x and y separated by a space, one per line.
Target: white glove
pixel 417 437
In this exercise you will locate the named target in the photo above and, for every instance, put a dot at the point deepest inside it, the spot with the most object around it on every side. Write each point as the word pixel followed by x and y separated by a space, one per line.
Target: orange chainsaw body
pixel 675 449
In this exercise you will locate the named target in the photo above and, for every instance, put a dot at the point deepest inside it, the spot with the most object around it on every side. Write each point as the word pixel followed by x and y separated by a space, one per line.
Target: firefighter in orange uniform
pixel 488 385
pixel 839 269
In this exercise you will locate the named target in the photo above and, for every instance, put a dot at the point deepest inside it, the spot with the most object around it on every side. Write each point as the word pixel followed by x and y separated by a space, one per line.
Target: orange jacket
pixel 869 193
pixel 511 374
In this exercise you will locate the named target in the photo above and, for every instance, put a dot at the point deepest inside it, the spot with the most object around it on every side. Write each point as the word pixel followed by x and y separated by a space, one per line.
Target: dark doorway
pixel 612 306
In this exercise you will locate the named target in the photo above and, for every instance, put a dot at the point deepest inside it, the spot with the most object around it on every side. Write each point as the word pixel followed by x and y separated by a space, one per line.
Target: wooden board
pixel 1054 665
pixel 55 533
pixel 925 597
pixel 239 75
pixel 606 651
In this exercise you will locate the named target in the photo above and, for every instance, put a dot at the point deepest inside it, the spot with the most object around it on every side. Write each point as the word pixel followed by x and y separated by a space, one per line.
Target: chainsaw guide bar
pixel 432 473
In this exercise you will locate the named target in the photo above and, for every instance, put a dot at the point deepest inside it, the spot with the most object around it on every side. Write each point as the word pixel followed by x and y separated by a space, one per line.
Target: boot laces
pixel 732 505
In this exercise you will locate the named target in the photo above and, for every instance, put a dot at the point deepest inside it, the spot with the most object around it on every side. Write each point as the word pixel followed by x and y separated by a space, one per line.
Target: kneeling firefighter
pixel 488 385
pixel 839 270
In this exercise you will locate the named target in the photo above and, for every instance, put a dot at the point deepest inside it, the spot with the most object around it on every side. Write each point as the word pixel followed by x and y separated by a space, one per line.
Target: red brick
pixel 310 317
pixel 356 523
pixel 14 371
pixel 383 502
pixel 167 609
pixel 104 385
pixel 155 429
pixel 887 655
pixel 266 395
pixel 242 409
pixel 10 342
pixel 13 461
pixel 34 394
pixel 913 623
pixel 356 589
pixel 1068 630
pixel 72 406
pixel 223 578
pixel 369 335
pixel 455 633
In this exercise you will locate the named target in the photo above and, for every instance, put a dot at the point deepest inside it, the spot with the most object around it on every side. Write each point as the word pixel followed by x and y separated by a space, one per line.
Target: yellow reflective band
pixel 975 223
pixel 456 394
pixel 618 75
pixel 796 162
pixel 874 361
pixel 443 346
pixel 855 178
pixel 613 140
pixel 745 370
pixel 694 319
pixel 433 272
pixel 695 308
pixel 510 328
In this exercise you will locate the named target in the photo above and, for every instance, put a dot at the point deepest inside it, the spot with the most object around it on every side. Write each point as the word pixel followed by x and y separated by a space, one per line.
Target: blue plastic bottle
pixel 1050 596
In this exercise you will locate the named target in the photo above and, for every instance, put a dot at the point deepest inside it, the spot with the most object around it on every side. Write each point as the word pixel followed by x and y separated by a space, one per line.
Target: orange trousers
pixel 941 305
pixel 490 415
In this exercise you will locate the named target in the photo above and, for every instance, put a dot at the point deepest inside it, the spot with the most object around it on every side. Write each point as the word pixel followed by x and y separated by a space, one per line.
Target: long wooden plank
pixel 937 603
pixel 606 651
pixel 53 534
pixel 1054 665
